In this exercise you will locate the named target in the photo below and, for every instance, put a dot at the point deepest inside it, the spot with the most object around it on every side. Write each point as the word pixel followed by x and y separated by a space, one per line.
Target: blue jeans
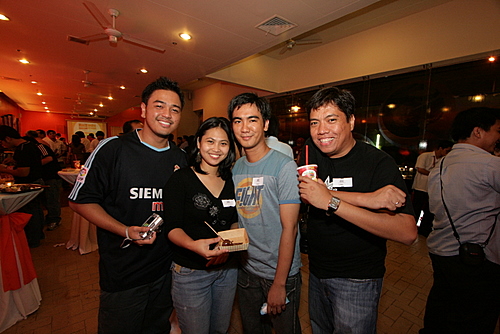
pixel 204 299
pixel 144 309
pixel 344 305
pixel 252 293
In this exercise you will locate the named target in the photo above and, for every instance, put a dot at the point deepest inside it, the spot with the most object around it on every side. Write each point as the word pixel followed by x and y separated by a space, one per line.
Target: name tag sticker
pixel 342 182
pixel 228 203
pixel 258 181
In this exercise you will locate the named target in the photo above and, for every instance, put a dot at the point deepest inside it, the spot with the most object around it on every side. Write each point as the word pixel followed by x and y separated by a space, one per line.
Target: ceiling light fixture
pixel 492 59
pixel 43 102
pixel 143 70
pixel 185 36
pixel 46 107
pixel 47 110
pixel 24 61
pixel 101 105
pixel 4 18
pixel 110 97
pixel 39 94
pixel 122 87
pixel 34 82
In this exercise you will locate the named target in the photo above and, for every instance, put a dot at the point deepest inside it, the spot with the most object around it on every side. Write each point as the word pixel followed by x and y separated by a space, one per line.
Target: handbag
pixel 471 254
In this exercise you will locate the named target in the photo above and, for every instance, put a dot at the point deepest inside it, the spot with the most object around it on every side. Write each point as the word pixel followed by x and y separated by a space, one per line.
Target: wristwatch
pixel 333 205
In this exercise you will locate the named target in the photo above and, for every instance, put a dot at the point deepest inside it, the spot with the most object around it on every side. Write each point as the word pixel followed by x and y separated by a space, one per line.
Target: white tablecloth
pixel 83 234
pixel 16 304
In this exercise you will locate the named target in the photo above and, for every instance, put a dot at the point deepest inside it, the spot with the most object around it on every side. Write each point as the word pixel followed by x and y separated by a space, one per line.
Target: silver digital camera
pixel 153 222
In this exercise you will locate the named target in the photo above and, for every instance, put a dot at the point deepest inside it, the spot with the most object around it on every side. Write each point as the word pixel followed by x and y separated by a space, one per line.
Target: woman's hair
pixel 75 140
pixel 224 168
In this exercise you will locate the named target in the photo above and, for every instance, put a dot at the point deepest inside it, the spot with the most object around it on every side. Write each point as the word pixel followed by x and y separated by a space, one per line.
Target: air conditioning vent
pixel 276 25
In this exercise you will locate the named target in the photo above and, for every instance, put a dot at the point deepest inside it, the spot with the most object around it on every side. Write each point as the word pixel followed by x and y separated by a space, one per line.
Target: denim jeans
pixel 144 309
pixel 344 305
pixel 204 299
pixel 252 293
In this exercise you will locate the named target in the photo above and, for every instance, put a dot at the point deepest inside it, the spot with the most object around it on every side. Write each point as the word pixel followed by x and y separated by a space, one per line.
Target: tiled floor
pixel 70 291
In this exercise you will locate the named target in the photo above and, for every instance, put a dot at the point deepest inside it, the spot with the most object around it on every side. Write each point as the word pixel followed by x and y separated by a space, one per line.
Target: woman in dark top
pixel 76 151
pixel 204 278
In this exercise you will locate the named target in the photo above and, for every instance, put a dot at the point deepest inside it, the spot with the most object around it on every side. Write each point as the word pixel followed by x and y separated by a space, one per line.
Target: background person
pixel 26 167
pixel 203 283
pixel 272 138
pixel 76 151
pixel 466 298
pixel 425 162
pixel 51 196
pixel 131 125
pixel 118 190
pixel 94 143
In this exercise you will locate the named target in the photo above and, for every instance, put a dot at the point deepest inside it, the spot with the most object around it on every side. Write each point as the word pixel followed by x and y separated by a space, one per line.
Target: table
pixel 19 293
pixel 83 233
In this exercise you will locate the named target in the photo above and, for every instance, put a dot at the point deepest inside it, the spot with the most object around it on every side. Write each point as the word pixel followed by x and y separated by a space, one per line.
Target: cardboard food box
pixel 238 236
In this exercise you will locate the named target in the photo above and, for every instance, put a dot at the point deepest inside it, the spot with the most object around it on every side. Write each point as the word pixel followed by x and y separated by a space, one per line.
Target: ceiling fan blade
pixel 308 41
pixel 142 43
pixel 96 13
pixel 96 37
pixel 285 49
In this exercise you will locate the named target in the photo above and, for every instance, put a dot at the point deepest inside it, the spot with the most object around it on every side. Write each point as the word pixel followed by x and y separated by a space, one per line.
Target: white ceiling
pixel 224 32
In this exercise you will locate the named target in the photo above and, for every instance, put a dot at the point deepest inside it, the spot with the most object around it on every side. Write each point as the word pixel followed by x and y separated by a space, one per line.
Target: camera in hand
pixel 153 222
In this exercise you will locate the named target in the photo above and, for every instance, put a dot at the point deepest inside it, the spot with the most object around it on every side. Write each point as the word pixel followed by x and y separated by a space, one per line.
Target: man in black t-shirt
pixel 27 169
pixel 119 187
pixel 349 221
pixel 51 195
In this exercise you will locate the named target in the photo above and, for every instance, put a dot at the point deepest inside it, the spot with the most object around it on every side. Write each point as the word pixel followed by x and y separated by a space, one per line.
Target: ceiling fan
pixel 291 43
pixel 87 83
pixel 110 32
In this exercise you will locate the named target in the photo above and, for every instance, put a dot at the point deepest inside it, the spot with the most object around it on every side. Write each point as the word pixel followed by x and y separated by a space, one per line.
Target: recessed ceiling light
pixel 33 82
pixel 143 70
pixel 47 110
pixel 122 87
pixel 95 109
pixel 185 36
pixel 43 102
pixel 4 18
pixel 110 97
pixel 492 59
pixel 101 105
pixel 46 107
pixel 39 94
pixel 24 61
